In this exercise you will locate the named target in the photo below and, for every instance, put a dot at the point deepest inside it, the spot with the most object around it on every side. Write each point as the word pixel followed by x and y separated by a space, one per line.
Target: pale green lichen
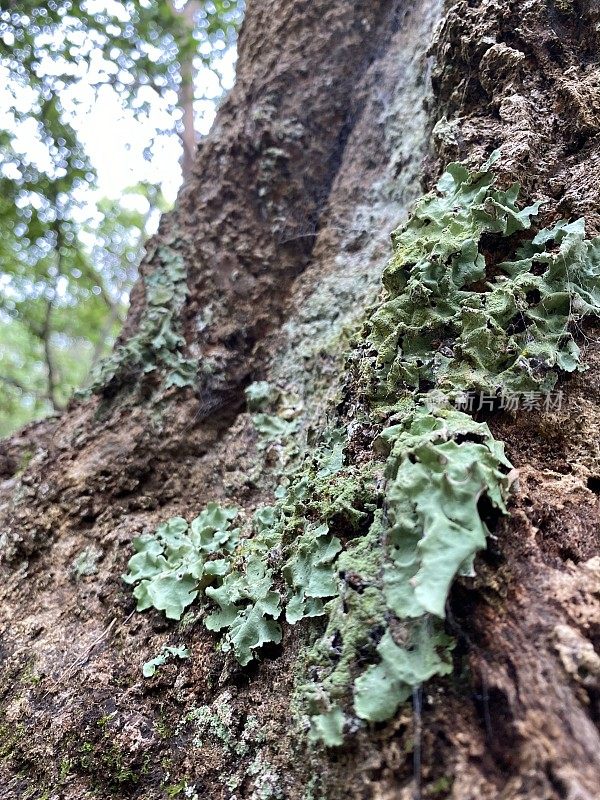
pixel 167 653
pixel 473 303
pixel 248 609
pixel 396 579
pixel 310 574
pixel 267 783
pixel 217 724
pixel 456 320
pixel 158 343
pixel 214 723
pixel 272 427
pixel 328 727
pixel 85 562
pixel 260 395
pixel 421 653
pixel 276 417
pixel 439 467
pixel 171 565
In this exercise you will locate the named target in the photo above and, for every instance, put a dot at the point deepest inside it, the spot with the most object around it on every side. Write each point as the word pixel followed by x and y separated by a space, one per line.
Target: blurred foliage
pixel 67 261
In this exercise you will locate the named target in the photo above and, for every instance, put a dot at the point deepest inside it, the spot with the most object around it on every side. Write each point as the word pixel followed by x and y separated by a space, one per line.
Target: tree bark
pixel 340 111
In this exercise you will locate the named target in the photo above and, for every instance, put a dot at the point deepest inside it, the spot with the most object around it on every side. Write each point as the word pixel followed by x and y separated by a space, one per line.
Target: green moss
pixel 29 676
pixel 10 736
pixel 442 786
pixel 355 617
pixel 105 762
pixel 163 728
pixel 25 459
pixel 65 769
pixel 104 720
pixel 175 789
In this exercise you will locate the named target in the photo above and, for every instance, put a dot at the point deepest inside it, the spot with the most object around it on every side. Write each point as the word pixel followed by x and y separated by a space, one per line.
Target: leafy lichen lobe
pixel 373 546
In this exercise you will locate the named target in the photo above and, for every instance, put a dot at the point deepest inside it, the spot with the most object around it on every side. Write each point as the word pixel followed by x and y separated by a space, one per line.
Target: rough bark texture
pixel 338 110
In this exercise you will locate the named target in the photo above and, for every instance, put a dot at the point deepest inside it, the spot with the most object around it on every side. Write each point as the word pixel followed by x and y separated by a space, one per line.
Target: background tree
pixel 243 377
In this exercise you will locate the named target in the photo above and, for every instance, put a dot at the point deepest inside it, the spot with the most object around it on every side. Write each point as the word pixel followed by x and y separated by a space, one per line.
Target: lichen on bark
pixel 444 288
pixel 518 716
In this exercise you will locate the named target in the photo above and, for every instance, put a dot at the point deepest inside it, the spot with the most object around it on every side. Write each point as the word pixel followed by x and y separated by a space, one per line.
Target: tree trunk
pixel 341 111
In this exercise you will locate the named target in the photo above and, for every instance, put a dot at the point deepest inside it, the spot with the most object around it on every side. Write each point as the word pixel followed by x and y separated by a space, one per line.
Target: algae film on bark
pixel 475 299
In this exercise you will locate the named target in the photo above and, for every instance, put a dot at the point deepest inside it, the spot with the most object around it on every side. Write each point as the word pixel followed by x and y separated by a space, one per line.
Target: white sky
pixel 115 141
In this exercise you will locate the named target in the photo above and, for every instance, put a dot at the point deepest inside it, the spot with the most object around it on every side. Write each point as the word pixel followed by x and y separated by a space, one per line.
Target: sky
pixel 116 141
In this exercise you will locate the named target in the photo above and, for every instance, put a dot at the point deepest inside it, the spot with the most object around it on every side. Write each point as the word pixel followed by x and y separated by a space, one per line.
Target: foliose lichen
pixel 472 305
pixel 474 301
pixel 158 343
pixel 171 565
pixel 168 652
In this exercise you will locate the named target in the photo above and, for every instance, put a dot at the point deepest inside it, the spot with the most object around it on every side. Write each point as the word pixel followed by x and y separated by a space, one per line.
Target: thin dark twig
pixel 417 730
pixel 485 699
pixel 79 662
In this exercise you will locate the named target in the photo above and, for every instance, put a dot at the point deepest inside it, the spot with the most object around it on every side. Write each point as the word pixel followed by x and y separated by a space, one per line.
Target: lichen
pixel 10 735
pixel 216 723
pixel 85 562
pixel 260 395
pixel 565 6
pixel 168 652
pixel 457 318
pixel 171 564
pixel 157 343
pixel 474 301
pixel 248 609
